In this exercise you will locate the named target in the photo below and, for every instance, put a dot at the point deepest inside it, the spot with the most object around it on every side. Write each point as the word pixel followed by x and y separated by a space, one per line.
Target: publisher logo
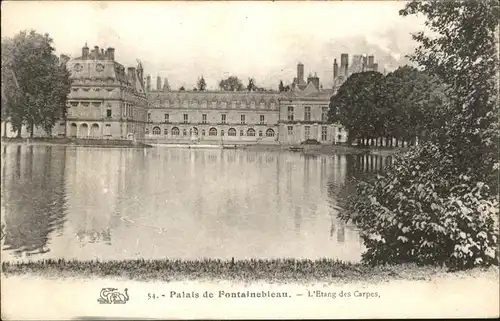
pixel 112 296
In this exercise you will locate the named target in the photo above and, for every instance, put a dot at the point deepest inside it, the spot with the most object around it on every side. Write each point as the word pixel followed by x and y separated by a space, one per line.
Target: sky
pixel 184 40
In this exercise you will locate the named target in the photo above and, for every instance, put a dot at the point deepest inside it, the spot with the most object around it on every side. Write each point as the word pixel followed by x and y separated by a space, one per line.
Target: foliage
pixel 36 82
pixel 281 87
pixel 355 104
pixel 201 85
pixel 232 83
pixel 182 88
pixel 422 213
pixel 438 203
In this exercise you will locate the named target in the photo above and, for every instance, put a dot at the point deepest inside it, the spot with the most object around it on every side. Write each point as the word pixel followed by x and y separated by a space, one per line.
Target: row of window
pixel 213 104
pixel 185 119
pixel 307 113
pixel 307 132
pixel 211 132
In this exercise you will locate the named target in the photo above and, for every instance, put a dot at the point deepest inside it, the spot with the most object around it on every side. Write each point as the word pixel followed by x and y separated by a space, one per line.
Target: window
pixel 323 133
pixel 204 118
pixel 212 132
pixel 202 132
pixel 324 113
pixel 307 132
pixel 223 118
pixel 233 105
pixel 339 137
pixel 231 132
pixel 147 130
pixel 165 132
pixel 185 118
pixel 108 112
pixel 74 103
pixel 290 130
pixel 262 105
pixel 260 133
pixel 251 132
pixel 149 115
pixel 243 119
pixel 262 119
pixel 167 118
pixel 195 131
pixel 107 130
pixel 175 131
pixel 269 132
pixel 184 132
pixel 242 133
pixel 307 113
pixel 290 113
pixel 222 132
pixel 156 130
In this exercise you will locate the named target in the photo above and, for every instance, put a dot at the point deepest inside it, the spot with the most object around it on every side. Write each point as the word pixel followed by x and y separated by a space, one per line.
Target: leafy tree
pixel 251 85
pixel 356 104
pixel 37 83
pixel 201 84
pixel 281 87
pixel 182 88
pixel 438 203
pixel 232 83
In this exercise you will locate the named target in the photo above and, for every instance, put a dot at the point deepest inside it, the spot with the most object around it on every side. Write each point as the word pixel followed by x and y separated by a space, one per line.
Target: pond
pixel 117 203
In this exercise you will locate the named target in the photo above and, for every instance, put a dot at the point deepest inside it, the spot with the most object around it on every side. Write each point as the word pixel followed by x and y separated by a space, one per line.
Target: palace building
pixel 106 100
pixel 109 101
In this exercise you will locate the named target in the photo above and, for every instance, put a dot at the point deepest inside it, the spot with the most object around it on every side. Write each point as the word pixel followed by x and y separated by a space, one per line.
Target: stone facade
pixel 105 101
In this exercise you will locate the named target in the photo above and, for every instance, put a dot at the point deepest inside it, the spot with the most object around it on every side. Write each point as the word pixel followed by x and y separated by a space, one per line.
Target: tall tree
pixel 41 81
pixel 356 105
pixel 232 83
pixel 461 49
pixel 281 87
pixel 251 85
pixel 201 84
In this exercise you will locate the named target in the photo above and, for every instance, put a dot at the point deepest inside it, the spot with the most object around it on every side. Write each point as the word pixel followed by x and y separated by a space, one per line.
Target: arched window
pixel 212 132
pixel 175 131
pixel 184 132
pixel 269 132
pixel 231 132
pixel 251 132
pixel 195 131
pixel 156 130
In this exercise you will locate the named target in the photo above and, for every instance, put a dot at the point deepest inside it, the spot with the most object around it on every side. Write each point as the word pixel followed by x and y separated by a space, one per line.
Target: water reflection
pixel 88 203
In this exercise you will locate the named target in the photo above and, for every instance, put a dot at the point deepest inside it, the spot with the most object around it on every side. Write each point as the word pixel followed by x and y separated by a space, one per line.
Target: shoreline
pixel 312 150
pixel 248 270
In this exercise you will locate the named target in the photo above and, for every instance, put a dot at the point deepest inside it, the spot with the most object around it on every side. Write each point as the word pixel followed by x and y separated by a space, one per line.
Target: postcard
pixel 249 160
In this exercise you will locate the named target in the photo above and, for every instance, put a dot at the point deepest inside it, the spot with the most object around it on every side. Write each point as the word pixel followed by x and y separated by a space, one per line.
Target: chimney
pixel 365 63
pixel 158 83
pixel 371 61
pixel 102 54
pixel 148 83
pixel 131 75
pixel 300 72
pixel 335 69
pixel 96 52
pixel 111 53
pixel 344 64
pixel 85 52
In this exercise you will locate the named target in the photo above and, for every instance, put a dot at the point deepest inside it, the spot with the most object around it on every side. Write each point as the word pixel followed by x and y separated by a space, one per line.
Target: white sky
pixel 183 40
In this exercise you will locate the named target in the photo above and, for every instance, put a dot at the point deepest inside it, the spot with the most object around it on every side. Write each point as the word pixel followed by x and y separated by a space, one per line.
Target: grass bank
pixel 77 142
pixel 250 270
pixel 325 149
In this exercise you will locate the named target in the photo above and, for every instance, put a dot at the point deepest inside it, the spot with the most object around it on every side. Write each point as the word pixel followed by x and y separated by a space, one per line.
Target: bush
pixel 310 141
pixel 420 211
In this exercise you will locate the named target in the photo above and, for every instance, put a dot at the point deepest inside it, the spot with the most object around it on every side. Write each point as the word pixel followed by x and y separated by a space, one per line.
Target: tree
pixel 281 87
pixel 462 51
pixel 182 88
pixel 251 85
pixel 37 82
pixel 201 84
pixel 231 84
pixel 356 104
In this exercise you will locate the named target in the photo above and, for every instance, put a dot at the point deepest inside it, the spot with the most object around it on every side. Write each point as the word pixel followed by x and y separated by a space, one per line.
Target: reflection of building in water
pixel 33 197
